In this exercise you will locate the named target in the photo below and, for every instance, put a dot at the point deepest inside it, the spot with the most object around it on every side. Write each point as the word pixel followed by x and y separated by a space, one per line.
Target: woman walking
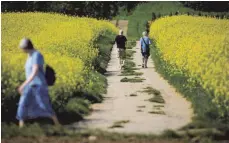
pixel 34 101
pixel 145 50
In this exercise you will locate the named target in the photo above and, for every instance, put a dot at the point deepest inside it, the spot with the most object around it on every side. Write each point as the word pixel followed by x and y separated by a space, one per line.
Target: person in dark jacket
pixel 121 45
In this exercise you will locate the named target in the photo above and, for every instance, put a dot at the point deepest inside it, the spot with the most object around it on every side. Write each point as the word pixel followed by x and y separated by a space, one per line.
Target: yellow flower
pixel 67 43
pixel 198 45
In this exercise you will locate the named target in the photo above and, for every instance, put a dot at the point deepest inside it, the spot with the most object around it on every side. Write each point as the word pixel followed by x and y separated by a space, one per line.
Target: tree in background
pixel 97 9
pixel 209 6
pixel 100 9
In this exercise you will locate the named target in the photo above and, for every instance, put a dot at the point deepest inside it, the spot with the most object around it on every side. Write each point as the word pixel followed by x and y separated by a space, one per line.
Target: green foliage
pixel 157 99
pixel 101 61
pixel 214 6
pixel 129 54
pixel 128 65
pixel 143 13
pixel 122 14
pixel 133 94
pixel 158 106
pixel 202 104
pixel 150 11
pixel 35 132
pixel 202 66
pixel 143 106
pixel 157 112
pixel 170 134
pixel 151 91
pixel 28 131
pixel 78 74
pixel 133 80
pixel 78 106
pixel 78 8
pixel 130 73
pixel 119 124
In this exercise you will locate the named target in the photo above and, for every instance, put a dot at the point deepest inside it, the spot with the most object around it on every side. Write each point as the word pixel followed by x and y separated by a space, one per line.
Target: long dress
pixel 34 101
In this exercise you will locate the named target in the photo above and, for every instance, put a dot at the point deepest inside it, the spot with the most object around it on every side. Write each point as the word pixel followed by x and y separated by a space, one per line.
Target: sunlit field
pixel 196 47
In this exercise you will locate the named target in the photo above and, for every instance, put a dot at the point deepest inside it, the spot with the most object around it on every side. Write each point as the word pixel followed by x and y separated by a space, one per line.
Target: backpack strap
pixel 144 41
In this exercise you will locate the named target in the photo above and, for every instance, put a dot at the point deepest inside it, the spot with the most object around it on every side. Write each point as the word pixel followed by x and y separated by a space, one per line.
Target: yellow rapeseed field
pixel 199 48
pixel 67 43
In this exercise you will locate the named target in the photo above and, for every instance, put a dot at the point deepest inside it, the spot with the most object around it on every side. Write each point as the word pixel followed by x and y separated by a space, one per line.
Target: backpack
pixel 50 75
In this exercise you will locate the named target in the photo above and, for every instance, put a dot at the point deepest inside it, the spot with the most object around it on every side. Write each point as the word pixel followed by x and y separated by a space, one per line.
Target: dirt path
pixel 118 105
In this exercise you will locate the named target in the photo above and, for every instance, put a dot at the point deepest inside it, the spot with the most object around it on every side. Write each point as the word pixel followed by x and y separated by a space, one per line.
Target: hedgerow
pixel 196 48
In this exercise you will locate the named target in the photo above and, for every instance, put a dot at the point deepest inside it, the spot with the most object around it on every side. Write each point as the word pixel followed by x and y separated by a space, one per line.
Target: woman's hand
pixel 31 77
pixel 21 88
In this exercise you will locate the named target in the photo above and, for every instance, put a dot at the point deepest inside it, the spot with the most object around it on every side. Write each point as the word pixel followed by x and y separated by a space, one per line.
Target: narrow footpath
pixel 121 112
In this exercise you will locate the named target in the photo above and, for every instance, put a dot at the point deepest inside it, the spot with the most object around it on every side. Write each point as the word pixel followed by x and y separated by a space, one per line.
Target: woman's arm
pixel 150 42
pixel 31 77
